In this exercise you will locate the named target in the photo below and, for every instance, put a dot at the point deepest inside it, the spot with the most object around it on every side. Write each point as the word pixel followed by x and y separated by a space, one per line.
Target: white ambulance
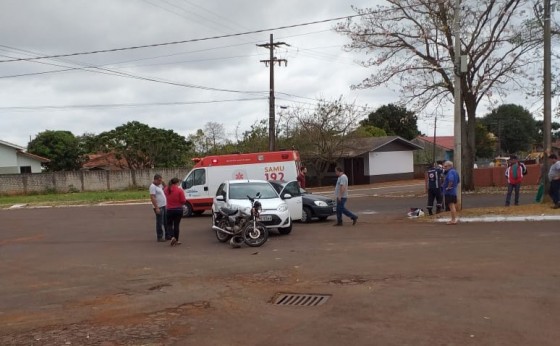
pixel 202 182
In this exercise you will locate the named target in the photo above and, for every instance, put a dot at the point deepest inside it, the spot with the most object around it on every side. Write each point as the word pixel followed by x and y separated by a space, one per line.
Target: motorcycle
pixel 241 225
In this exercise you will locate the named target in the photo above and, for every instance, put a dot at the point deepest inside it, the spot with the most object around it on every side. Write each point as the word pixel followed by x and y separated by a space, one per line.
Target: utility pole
pixel 457 130
pixel 547 126
pixel 271 114
pixel 434 147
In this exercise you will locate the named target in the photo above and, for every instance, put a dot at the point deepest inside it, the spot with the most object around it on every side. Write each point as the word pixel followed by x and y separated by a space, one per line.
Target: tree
pixel 514 127
pixel 215 135
pixel 322 135
pixel 369 131
pixel 485 142
pixel 61 147
pixel 255 139
pixel 411 43
pixel 555 127
pixel 395 120
pixel 143 146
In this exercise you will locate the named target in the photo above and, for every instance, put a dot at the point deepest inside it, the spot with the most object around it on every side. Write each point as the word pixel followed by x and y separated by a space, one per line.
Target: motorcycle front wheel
pixel 222 237
pixel 255 235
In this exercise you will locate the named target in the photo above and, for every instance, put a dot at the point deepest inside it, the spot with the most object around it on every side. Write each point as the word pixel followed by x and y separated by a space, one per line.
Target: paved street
pixel 96 276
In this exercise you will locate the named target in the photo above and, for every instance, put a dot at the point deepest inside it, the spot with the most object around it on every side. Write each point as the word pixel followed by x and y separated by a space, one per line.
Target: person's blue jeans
pixel 511 188
pixel 341 209
pixel 161 223
pixel 554 191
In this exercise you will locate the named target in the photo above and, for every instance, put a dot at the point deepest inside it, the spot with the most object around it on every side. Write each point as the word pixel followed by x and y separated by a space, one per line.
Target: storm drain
pixel 297 299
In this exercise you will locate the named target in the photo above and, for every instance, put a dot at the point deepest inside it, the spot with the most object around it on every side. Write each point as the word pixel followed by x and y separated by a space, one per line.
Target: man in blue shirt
pixel 450 190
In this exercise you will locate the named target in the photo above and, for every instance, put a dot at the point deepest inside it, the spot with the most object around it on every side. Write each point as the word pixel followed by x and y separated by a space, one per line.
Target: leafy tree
pixel 485 142
pixel 255 139
pixel 514 126
pixel 555 131
pixel 143 146
pixel 411 43
pixel 369 131
pixel 199 142
pixel 61 147
pixel 322 135
pixel 395 121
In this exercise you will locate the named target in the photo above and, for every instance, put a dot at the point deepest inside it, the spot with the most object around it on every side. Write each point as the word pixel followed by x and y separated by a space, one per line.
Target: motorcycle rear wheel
pixel 222 237
pixel 255 236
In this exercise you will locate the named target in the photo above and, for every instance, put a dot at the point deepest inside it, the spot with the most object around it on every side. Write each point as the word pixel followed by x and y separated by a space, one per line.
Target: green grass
pixel 75 198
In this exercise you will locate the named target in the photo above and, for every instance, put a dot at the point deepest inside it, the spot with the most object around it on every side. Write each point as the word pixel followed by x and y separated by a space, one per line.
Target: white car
pixel 275 211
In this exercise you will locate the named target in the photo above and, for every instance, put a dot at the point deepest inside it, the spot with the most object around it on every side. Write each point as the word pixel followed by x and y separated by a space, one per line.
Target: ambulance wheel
pixel 187 210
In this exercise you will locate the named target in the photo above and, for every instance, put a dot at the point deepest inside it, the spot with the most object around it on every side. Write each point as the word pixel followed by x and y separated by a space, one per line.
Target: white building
pixel 14 160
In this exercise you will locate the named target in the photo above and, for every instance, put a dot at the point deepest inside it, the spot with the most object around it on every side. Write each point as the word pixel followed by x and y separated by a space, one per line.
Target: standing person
pixel 301 177
pixel 434 180
pixel 341 195
pixel 157 196
pixel 450 187
pixel 175 200
pixel 514 176
pixel 554 178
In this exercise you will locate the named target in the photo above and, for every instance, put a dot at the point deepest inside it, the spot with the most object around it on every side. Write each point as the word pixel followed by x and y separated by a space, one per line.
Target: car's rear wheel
pixel 306 215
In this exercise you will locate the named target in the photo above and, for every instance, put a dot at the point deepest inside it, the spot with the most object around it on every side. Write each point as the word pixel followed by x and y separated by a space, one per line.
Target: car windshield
pixel 241 191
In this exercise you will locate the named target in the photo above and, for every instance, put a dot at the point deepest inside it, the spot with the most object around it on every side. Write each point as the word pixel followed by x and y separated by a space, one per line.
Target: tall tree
pixel 143 146
pixel 322 135
pixel 485 142
pixel 61 147
pixel 410 43
pixel 514 127
pixel 215 134
pixel 395 120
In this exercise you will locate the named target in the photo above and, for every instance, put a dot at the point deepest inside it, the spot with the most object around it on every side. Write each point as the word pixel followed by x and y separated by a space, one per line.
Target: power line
pixel 184 41
pixel 120 105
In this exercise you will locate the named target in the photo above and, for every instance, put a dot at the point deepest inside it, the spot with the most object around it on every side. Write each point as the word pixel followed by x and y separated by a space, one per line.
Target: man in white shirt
pixel 159 203
pixel 554 178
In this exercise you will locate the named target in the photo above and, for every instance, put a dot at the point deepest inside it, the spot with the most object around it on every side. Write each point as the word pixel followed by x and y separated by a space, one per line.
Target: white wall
pixel 7 156
pixel 392 162
pixel 26 161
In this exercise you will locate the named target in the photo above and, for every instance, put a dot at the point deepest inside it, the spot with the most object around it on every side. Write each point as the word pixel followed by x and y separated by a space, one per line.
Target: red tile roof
pixel 447 142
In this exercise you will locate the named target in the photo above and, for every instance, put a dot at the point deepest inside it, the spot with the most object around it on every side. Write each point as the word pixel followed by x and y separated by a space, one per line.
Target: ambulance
pixel 202 182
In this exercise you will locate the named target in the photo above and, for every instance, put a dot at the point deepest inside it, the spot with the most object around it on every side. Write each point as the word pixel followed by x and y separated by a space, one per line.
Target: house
pixel 14 160
pixel 443 147
pixel 379 159
pixel 105 162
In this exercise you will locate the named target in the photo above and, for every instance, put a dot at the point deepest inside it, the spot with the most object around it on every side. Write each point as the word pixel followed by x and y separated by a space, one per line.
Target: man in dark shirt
pixel 433 183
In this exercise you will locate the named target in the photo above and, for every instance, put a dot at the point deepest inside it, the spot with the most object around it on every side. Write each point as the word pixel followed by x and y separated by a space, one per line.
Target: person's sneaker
pixel 173 241
pixel 178 243
pixel 354 220
pixel 160 240
pixel 338 224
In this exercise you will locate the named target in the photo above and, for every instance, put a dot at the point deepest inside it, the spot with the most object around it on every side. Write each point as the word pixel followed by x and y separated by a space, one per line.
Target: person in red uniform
pixel 301 177
pixel 175 201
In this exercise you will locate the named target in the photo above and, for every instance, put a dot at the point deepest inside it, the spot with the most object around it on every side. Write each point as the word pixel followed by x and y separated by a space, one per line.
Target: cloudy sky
pixel 175 86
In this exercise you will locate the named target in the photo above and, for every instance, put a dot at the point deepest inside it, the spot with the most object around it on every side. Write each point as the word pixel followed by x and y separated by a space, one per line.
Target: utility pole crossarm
pixel 270 63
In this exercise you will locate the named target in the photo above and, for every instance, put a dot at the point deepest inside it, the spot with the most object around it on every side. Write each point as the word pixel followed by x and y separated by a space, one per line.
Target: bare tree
pixel 321 136
pixel 215 134
pixel 410 43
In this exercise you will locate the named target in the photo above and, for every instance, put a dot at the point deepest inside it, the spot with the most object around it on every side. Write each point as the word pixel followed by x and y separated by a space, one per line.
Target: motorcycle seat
pixel 228 211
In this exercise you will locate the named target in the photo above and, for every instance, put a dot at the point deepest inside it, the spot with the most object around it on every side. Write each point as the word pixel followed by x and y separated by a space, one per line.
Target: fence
pixel 73 181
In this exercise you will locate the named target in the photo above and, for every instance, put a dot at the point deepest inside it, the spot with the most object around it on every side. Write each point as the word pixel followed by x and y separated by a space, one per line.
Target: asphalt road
pixel 96 276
